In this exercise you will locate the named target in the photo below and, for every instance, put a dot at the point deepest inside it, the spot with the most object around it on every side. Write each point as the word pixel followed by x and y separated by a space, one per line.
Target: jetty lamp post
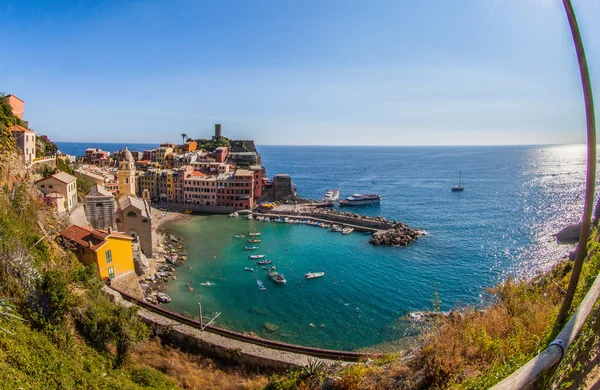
pixel 590 178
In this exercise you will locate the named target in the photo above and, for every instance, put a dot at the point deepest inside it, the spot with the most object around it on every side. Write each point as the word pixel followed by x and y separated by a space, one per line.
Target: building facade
pixel 134 217
pixel 100 208
pixel 110 251
pixel 62 183
pixel 25 140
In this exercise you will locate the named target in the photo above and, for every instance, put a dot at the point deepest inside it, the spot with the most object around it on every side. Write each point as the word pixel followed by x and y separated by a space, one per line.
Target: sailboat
pixel 459 187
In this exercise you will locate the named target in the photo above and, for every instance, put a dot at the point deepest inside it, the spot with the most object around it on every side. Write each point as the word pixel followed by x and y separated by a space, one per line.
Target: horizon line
pixel 342 145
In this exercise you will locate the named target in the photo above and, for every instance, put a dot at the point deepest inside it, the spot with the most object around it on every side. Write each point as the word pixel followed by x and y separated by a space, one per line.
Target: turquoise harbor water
pixel 514 199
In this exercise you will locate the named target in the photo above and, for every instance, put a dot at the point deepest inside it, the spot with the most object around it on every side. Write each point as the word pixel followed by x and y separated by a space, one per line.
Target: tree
pixel 183 137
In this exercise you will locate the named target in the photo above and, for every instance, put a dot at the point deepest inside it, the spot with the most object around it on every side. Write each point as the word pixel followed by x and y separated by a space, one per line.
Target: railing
pixel 316 352
pixel 526 376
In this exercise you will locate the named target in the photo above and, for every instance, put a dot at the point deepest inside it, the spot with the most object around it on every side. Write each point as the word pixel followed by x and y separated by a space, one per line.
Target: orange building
pixel 17 105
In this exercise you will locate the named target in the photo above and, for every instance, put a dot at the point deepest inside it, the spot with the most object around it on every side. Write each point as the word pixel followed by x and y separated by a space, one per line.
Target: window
pixel 108 256
pixel 43 186
pixel 131 214
pixel 111 272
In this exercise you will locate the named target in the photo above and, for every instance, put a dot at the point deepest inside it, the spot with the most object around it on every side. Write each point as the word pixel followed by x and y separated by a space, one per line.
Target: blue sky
pixel 341 72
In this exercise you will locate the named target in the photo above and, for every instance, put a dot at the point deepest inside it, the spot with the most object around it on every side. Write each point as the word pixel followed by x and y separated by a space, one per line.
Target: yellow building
pixel 111 251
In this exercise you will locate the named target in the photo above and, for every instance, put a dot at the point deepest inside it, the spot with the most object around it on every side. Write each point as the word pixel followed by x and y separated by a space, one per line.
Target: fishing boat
pixel 249 269
pixel 347 230
pixel 264 262
pixel 187 212
pixel 250 248
pixel 312 275
pixel 254 234
pixel 459 187
pixel 239 236
pixel 361 200
pixel 256 256
pixel 270 268
pixel 255 240
pixel 261 286
pixel 277 277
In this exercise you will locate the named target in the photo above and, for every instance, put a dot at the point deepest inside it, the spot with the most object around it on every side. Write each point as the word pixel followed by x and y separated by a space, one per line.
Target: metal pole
pixel 200 314
pixel 591 167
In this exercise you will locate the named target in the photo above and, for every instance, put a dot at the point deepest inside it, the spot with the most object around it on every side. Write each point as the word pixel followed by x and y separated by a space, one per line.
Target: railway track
pixel 310 351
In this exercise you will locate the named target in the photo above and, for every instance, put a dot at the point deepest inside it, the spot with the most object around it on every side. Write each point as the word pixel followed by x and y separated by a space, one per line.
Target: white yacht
pixel 361 200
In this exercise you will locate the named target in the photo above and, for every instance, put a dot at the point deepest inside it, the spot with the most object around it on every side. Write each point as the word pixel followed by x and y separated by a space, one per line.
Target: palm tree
pixel 183 136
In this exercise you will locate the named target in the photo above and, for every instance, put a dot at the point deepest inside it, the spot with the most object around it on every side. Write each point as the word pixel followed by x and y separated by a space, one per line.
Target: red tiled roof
pixel 90 238
pixel 200 174
pixel 20 129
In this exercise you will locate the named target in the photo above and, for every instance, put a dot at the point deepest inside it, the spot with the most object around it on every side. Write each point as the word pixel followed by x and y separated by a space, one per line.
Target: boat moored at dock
pixel 361 200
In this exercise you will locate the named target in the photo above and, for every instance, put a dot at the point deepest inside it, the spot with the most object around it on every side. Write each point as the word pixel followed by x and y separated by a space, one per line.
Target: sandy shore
pixel 161 218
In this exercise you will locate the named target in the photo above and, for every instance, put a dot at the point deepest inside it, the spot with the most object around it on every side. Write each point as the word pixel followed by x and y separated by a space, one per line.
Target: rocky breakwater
pixel 391 233
pixel 399 235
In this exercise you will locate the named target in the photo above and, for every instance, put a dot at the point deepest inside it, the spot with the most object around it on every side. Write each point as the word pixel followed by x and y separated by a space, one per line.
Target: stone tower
pixel 127 174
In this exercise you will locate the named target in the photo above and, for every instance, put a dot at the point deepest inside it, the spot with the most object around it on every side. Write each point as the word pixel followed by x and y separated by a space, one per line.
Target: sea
pixel 500 226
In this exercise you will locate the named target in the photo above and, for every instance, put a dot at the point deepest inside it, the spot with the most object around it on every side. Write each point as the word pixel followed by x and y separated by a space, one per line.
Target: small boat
pixel 261 286
pixel 459 187
pixel 249 217
pixel 239 236
pixel 250 248
pixel 264 262
pixel 347 230
pixel 254 234
pixel 277 277
pixel 336 228
pixel 233 215
pixel 361 200
pixel 187 212
pixel 249 269
pixel 312 275
pixel 270 268
pixel 255 240
pixel 256 256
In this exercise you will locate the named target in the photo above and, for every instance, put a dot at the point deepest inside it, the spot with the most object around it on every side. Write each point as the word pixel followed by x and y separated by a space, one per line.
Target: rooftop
pixel 90 238
pixel 60 176
pixel 139 204
pixel 20 129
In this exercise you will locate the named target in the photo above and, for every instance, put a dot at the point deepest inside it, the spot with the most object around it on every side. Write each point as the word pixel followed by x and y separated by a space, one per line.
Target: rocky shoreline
pixel 171 254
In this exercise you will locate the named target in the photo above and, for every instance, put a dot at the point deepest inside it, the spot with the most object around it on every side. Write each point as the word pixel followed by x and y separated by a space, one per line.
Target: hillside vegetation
pixel 57 330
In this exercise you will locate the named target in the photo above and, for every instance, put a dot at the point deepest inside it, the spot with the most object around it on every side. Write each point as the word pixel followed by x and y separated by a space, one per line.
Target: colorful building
pixel 25 140
pixel 62 183
pixel 126 173
pixel 110 251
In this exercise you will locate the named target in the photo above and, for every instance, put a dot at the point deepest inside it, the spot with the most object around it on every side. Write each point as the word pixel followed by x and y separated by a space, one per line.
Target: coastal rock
pixel 270 327
pixel 400 235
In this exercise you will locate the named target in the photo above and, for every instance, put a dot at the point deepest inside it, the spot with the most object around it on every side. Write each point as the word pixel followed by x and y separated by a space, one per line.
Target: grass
pixel 193 371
